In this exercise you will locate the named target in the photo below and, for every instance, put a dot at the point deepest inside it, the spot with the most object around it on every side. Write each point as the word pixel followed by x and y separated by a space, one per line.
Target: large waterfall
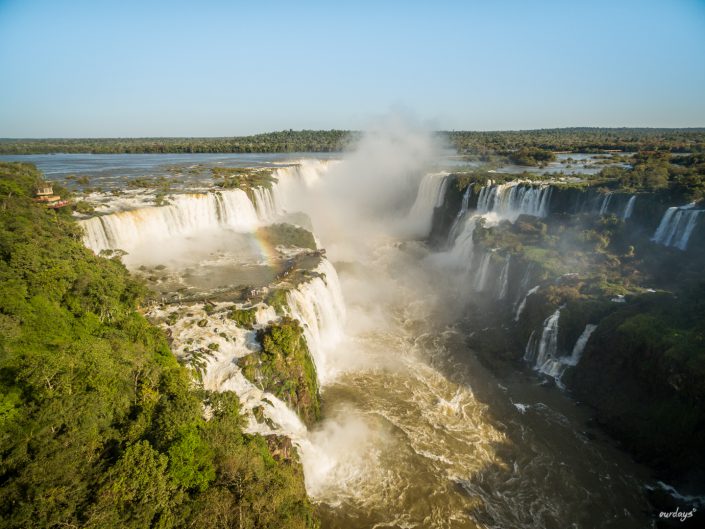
pixel 429 196
pixel 457 223
pixel 186 215
pixel 318 305
pixel 676 226
pixel 514 199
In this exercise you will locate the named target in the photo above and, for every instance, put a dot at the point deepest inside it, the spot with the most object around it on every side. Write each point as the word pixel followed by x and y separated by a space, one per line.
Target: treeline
pixel 272 142
pixel 100 426
pixel 502 143
pixel 579 139
pixel 683 176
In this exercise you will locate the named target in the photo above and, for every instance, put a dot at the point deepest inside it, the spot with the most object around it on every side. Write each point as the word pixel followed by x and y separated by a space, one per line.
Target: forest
pixel 100 426
pixel 478 143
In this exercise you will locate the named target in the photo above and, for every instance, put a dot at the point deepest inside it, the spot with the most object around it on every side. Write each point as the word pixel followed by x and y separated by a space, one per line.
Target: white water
pixel 186 215
pixel 629 209
pixel 522 305
pixel 503 282
pixel 676 226
pixel 266 204
pixel 604 208
pixel 538 351
pixel 318 305
pixel 555 366
pixel 461 214
pixel 430 196
pixel 513 199
pixel 481 276
pixel 219 370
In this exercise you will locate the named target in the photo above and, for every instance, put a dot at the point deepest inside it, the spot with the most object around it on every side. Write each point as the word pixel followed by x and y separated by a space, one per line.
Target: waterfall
pixel 266 203
pixel 676 226
pixel 460 255
pixel 605 204
pixel 514 199
pixel 481 277
pixel 503 282
pixel 555 367
pixel 186 215
pixel 430 195
pixel 629 209
pixel 579 346
pixel 521 306
pixel 461 214
pixel 308 172
pixel 547 345
pixel 318 305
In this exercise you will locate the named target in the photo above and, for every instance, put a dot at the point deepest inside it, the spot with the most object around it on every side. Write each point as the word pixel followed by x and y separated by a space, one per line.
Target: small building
pixel 44 190
pixel 45 193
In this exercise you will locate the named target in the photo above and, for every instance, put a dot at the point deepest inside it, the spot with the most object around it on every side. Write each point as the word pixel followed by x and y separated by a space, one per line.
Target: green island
pixel 284 367
pixel 99 424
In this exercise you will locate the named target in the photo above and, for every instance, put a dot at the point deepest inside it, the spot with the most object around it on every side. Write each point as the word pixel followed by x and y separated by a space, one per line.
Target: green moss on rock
pixel 284 367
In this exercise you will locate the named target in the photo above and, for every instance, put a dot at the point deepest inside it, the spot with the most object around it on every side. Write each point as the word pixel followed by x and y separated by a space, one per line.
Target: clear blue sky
pixel 208 68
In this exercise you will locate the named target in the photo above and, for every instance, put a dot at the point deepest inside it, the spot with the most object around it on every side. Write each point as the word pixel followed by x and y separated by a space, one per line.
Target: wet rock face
pixel 280 447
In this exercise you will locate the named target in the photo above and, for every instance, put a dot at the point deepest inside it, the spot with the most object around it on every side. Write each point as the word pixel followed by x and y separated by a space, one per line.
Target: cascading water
pixel 429 196
pixel 555 367
pixel 538 351
pixel 629 208
pixel 503 282
pixel 514 199
pixel 266 203
pixel 318 305
pixel 461 214
pixel 522 304
pixel 604 208
pixel 461 254
pixel 186 215
pixel 481 276
pixel 676 226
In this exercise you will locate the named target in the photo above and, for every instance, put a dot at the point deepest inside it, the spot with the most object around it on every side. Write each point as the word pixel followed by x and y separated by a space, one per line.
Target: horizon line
pixel 583 128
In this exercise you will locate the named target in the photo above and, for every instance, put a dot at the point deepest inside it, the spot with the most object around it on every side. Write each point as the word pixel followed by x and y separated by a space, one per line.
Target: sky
pixel 221 68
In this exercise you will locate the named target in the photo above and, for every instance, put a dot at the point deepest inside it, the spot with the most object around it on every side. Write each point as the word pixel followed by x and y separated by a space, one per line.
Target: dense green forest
pixel 466 142
pixel 99 425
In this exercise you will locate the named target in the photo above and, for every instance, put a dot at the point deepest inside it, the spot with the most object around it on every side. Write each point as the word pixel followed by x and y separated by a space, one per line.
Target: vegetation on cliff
pixel 643 370
pixel 99 424
pixel 284 367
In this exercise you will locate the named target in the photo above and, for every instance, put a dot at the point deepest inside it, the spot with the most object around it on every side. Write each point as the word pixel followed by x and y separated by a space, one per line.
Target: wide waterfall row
pixel 430 195
pixel 186 215
pixel 514 199
pixel 318 305
pixel 676 226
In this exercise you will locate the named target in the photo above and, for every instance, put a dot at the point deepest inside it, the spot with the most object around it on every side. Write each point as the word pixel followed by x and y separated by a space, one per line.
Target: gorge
pixel 420 332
